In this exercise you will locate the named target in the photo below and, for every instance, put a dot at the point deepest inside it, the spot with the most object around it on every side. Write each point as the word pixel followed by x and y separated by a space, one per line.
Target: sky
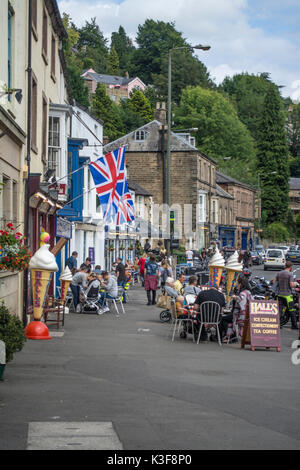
pixel 251 36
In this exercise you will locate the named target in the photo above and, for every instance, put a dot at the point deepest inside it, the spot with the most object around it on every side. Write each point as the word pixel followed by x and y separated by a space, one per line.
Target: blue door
pixel 244 240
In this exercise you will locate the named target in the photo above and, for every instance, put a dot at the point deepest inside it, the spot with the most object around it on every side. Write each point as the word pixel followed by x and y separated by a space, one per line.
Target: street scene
pixel 149 228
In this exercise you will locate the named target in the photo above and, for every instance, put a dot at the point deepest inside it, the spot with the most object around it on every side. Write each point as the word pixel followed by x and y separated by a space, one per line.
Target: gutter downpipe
pixel 28 155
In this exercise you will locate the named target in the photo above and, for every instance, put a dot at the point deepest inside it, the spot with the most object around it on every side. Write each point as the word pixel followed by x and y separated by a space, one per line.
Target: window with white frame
pixel 140 136
pixel 202 207
pixel 54 145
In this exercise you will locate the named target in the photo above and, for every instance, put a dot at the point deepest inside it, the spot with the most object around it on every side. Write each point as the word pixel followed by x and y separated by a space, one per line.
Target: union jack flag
pixel 126 212
pixel 109 176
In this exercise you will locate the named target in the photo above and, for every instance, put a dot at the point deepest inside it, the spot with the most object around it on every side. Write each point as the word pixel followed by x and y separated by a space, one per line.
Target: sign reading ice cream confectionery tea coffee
pixel 264 324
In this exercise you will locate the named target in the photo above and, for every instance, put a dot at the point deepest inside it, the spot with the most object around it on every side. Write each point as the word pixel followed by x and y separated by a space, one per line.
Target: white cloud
pixel 236 45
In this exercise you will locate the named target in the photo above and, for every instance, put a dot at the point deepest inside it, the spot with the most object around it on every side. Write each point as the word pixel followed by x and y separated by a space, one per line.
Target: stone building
pixel 243 215
pixel 193 178
pixel 117 88
pixel 294 195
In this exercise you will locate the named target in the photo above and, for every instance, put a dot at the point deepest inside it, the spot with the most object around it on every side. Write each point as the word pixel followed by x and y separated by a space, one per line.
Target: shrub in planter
pixel 11 332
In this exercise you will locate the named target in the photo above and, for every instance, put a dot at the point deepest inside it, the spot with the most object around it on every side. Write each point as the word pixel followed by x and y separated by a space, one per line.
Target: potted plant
pixel 14 255
pixel 11 333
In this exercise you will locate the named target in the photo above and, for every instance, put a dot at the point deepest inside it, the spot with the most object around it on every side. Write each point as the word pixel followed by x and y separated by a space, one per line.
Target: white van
pixel 275 259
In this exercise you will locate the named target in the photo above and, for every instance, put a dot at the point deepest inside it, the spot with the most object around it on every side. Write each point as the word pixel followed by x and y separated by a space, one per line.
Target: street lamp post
pixel 200 47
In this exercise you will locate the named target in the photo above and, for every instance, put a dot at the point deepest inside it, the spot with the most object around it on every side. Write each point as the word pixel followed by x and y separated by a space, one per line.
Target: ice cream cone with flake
pixel 42 266
pixel 65 281
pixel 233 268
pixel 215 268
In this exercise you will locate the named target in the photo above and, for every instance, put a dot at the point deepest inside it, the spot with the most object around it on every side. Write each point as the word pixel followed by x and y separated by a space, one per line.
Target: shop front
pixel 119 244
pixel 226 236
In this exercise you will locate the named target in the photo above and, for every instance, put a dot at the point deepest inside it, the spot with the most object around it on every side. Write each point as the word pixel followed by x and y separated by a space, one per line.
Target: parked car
pixel 256 257
pixel 294 248
pixel 293 255
pixel 275 259
pixel 284 248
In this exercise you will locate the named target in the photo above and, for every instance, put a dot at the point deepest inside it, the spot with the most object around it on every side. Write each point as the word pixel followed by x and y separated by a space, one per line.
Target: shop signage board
pixel 262 325
pixel 63 228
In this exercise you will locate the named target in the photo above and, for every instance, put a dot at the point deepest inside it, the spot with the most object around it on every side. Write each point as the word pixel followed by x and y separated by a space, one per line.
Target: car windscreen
pixel 274 254
pixel 293 253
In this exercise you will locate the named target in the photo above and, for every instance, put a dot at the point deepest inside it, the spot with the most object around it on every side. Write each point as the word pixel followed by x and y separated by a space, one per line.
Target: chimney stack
pixel 161 113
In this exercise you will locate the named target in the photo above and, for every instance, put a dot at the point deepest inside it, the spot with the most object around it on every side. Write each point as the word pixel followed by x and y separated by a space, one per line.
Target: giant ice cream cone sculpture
pixel 65 281
pixel 215 268
pixel 234 268
pixel 42 266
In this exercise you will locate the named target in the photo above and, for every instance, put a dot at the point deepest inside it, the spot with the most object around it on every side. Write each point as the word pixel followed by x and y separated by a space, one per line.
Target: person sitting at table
pixel 210 295
pixel 110 285
pixel 79 279
pixel 191 288
pixel 170 288
pixel 239 310
pixel 179 283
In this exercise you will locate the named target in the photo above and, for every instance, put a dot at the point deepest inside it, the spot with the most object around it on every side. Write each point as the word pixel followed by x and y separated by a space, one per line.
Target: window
pixel 44 136
pixel 53 57
pixel 140 136
pixel 45 37
pixel 34 114
pixel 54 149
pixel 214 212
pixel 9 64
pixel 8 201
pixel 34 18
pixel 202 208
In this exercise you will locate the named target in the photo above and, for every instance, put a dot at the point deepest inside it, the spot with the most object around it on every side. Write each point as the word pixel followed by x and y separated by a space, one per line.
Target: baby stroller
pixel 90 300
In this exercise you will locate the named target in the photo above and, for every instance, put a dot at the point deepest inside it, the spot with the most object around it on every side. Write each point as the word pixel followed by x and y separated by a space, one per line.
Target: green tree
pixel 277 232
pixel 141 105
pixel 220 132
pixel 105 109
pixel 74 64
pixel 113 67
pixel 248 92
pixel 187 70
pixel 124 48
pixel 154 39
pixel 272 154
pixel 136 111
pixel 93 45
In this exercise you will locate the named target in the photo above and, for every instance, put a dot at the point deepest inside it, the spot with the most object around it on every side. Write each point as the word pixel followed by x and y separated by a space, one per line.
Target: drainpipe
pixel 28 155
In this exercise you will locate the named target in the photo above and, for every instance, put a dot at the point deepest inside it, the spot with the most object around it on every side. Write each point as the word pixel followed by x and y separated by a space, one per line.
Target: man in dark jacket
pixel 210 295
pixel 72 261
pixel 121 276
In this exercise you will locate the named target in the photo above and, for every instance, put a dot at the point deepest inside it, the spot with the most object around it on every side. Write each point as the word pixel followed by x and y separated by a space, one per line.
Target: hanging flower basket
pixel 14 255
pixel 130 248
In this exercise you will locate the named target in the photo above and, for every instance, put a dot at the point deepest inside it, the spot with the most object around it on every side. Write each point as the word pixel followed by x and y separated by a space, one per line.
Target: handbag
pixel 163 301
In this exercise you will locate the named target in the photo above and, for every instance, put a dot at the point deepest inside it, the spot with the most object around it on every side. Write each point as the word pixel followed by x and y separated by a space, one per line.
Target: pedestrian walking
pixel 151 279
pixel 72 261
pixel 121 276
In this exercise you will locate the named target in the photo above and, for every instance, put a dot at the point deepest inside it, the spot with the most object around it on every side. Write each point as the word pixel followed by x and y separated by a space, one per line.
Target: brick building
pixel 117 87
pixel 193 180
pixel 294 195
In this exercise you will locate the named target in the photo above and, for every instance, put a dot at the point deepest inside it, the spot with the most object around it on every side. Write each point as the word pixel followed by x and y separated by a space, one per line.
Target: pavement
pixel 120 383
